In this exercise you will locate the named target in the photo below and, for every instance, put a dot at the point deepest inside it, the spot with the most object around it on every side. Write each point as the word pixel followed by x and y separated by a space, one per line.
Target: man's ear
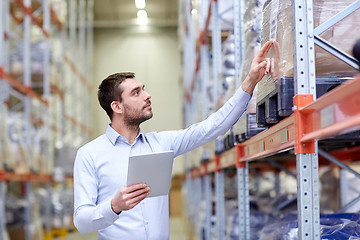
pixel 116 107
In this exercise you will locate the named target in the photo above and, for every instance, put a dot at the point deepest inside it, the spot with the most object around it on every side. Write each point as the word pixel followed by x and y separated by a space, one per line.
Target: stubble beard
pixel 133 118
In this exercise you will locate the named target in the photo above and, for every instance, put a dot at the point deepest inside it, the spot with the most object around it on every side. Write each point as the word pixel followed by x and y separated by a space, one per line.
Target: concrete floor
pixel 177 232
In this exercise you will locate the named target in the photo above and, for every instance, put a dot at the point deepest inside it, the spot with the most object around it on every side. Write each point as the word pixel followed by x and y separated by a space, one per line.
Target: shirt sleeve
pixel 215 125
pixel 88 215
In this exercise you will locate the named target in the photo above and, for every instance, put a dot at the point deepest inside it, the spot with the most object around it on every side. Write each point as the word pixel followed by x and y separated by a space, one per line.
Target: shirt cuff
pixel 240 96
pixel 107 212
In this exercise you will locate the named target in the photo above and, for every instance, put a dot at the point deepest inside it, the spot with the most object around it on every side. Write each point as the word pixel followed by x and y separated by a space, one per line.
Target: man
pixel 103 202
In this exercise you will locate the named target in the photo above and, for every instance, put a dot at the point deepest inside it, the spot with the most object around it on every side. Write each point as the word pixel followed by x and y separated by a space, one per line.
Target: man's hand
pixel 129 196
pixel 259 67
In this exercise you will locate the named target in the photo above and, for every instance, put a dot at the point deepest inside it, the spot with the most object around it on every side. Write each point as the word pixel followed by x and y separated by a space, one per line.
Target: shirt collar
pixel 114 136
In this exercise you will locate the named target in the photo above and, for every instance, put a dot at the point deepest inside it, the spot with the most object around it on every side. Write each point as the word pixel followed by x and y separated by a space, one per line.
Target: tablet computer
pixel 154 169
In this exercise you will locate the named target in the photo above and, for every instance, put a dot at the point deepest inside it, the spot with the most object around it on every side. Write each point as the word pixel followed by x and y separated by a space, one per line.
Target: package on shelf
pixel 277 25
pixel 353 192
pixel 230 213
pixel 65 153
pixel 61 203
pixel 7 156
pixel 15 218
pixel 60 9
pixel 329 189
pixel 228 71
pixel 230 189
pixel 57 64
pixel 41 146
pixel 3 142
pixel 37 49
pixel 22 157
pixel 343 226
pixel 251 29
pixel 199 220
pixel 19 155
pixel 252 19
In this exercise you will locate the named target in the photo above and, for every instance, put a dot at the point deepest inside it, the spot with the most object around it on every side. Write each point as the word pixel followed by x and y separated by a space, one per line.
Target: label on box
pixel 246 151
pixel 327 116
pixel 261 146
pixel 284 135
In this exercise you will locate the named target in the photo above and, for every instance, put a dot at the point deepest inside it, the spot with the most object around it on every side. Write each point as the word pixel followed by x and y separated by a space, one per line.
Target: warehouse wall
pixel 153 54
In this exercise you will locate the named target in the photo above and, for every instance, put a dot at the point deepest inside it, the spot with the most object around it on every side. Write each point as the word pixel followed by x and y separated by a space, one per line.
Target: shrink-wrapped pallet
pixel 277 25
pixel 246 127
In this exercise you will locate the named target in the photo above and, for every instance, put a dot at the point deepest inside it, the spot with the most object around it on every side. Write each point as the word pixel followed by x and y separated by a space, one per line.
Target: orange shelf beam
pixel 28 11
pixel 40 178
pixel 278 138
pixel 334 113
pixel 19 86
pixel 24 177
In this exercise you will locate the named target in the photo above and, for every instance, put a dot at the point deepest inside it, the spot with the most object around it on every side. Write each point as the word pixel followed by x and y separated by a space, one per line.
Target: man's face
pixel 135 102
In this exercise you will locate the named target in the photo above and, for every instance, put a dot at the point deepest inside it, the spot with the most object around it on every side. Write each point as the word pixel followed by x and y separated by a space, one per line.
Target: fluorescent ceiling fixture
pixel 142 17
pixel 194 12
pixel 140 4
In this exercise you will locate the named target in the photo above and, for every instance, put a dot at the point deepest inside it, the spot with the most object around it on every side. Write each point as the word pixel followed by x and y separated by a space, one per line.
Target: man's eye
pixel 136 93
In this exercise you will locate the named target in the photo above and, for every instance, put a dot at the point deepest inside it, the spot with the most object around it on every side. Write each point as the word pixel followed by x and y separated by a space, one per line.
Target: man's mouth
pixel 148 105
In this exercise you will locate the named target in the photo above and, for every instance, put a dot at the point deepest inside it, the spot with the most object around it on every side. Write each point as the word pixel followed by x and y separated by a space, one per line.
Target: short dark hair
pixel 109 90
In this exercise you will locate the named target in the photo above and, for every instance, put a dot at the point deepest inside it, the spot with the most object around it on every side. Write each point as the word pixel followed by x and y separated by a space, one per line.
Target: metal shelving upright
pixel 313 120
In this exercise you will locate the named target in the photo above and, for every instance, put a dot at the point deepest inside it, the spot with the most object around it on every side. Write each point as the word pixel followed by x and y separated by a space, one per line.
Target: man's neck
pixel 125 130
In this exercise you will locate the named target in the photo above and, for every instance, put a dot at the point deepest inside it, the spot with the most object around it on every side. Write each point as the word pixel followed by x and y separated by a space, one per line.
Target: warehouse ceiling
pixel 122 13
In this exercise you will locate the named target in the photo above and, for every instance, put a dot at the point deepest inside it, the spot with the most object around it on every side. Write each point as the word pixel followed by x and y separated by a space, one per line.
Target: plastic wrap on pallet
pixel 332 227
pixel 60 8
pixel 277 25
pixel 251 34
pixel 17 156
pixel 251 29
pixel 65 165
pixel 330 189
pixel 257 221
pixel 15 218
pixel 37 58
pixel 17 160
pixel 228 70
pixel 247 127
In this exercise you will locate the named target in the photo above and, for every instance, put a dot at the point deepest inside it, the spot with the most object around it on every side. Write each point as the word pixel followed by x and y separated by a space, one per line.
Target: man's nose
pixel 147 95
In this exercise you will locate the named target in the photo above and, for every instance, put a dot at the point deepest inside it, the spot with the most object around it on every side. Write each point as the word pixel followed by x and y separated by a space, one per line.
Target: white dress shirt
pixel 100 170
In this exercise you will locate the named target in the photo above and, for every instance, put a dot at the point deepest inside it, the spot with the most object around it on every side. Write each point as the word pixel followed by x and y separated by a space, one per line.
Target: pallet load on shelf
pixel 246 126
pixel 333 226
pixel 228 70
pixel 276 90
pixel 15 213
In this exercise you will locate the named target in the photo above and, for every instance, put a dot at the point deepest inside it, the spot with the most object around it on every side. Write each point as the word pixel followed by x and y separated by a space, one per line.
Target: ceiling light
pixel 142 17
pixel 140 4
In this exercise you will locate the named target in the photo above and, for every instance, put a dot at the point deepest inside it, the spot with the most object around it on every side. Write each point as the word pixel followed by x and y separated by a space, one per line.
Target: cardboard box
pixel 277 25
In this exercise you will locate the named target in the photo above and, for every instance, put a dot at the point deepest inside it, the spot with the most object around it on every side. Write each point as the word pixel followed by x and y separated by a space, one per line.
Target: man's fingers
pixel 139 192
pixel 268 62
pixel 265 49
pixel 136 200
pixel 260 66
pixel 134 187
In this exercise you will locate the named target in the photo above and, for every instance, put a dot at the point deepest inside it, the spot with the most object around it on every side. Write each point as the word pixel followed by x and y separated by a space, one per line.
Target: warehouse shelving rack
pixel 337 112
pixel 51 95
